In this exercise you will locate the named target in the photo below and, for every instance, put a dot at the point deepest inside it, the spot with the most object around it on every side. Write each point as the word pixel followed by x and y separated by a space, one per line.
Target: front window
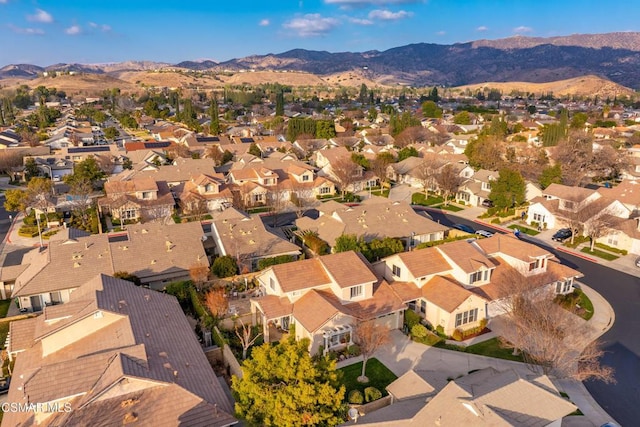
pixel 397 271
pixel 129 214
pixel 564 286
pixel 539 263
pixel 325 190
pixel 612 240
pixel 305 177
pixel 356 291
pixel 466 317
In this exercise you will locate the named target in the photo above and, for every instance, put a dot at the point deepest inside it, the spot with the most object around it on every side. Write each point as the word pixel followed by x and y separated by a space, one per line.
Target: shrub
pixel 30 219
pixel 353 350
pixel 495 221
pixel 224 266
pixel 371 394
pixel 419 331
pixel 440 330
pixel 28 231
pixel 411 318
pixel 355 397
pixel 268 262
pixel 457 335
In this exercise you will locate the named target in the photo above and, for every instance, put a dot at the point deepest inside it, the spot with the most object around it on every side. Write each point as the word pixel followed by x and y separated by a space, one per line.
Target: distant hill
pixel 612 56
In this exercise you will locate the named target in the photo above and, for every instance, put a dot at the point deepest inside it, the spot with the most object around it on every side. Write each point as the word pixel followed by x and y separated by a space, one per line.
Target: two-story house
pixel 205 192
pixel 457 284
pixel 325 297
pixel 139 198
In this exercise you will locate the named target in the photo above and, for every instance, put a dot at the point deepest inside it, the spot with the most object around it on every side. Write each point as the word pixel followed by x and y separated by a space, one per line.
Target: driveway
pixel 402 192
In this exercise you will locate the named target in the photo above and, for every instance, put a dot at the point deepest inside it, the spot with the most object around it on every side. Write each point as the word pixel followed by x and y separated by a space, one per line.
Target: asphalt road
pixel 4 220
pixel 621 343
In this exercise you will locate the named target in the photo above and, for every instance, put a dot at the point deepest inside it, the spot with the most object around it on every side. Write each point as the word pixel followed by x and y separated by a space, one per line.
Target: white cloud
pixel 264 23
pixel 73 30
pixel 441 33
pixel 105 28
pixel 482 28
pixel 40 16
pixel 4 1
pixel 387 15
pixel 359 21
pixel 522 29
pixel 27 31
pixel 311 25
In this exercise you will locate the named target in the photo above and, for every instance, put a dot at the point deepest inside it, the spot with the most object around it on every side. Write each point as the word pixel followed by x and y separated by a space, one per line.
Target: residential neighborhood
pixel 428 256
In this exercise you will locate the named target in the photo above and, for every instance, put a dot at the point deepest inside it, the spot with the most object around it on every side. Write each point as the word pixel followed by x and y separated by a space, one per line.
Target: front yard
pixel 379 376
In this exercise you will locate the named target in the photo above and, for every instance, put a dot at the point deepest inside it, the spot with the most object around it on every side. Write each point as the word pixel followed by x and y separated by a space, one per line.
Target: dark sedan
pixel 562 235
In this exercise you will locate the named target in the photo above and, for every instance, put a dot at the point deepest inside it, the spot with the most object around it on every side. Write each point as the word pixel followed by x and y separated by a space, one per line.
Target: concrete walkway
pixel 402 354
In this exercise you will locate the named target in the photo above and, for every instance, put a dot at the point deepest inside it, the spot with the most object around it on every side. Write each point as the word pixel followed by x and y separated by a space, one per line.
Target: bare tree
pixel 199 273
pixel 598 223
pixel 369 337
pixel 302 197
pixel 245 335
pixel 277 201
pixel 575 154
pixel 427 170
pixel 81 202
pixel 106 163
pixel 9 160
pixel 449 181
pixel 548 336
pixel 379 167
pixel 213 152
pixel 217 303
pixel 196 207
pixel 346 172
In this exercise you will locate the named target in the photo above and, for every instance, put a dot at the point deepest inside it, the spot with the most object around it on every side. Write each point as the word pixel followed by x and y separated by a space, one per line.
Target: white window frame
pixel 356 291
pixel 466 317
pixel 396 270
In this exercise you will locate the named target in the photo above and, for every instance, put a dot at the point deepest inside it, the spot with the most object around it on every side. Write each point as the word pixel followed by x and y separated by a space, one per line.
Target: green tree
pixel 279 104
pixel 227 156
pixel 398 123
pixel 31 168
pixel 551 175
pixel 325 129
pixel 111 132
pixel 407 152
pixel 125 275
pixel 254 150
pixel 364 94
pixel 348 242
pixel 508 189
pixel 87 170
pixel 283 385
pixel 430 109
pixel 462 118
pixel 224 266
pixel 372 114
pixel 15 200
pixel 214 125
pixel 578 120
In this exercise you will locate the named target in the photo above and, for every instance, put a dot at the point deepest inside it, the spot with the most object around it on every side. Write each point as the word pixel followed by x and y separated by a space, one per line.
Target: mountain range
pixel 614 56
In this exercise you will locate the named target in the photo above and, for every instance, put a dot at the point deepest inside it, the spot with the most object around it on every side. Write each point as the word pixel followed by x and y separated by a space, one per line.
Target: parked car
pixel 562 234
pixel 487 203
pixel 484 233
pixel 638 262
pixel 463 227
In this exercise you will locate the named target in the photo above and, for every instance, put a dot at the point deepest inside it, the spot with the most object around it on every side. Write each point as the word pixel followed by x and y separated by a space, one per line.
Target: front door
pixel 285 323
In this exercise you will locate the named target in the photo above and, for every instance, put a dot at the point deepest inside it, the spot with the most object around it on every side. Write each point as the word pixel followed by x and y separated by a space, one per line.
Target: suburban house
pixel 374 218
pixel 157 254
pixel 205 193
pixel 327 161
pixel 116 353
pixel 136 199
pixel 456 285
pixel 477 187
pixel 324 297
pixel 485 397
pixel 247 240
pixel 559 204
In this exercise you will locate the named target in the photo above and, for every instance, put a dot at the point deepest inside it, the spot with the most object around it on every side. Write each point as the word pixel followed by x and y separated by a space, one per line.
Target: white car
pixel 484 233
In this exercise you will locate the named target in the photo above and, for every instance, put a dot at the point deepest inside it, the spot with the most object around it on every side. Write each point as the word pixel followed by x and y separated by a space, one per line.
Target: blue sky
pixel 45 32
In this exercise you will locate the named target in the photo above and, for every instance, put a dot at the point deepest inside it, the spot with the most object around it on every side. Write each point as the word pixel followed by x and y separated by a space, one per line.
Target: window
pixel 272 283
pixel 612 240
pixel 466 317
pixel 356 291
pixel 397 271
pixel 208 188
pixel 56 297
pixel 146 195
pixel 568 204
pixel 464 196
pixel 129 214
pixel 563 287
pixel 325 190
pixel 539 263
pixel 538 217
pixel 305 177
pixel 423 306
pixel 478 276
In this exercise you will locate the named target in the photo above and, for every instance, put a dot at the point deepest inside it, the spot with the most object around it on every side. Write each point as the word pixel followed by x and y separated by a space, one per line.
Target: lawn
pixel 577 298
pixel 525 230
pixel 4 331
pixel 421 199
pixel 452 208
pixel 492 348
pixel 599 253
pixel 379 376
pixel 4 307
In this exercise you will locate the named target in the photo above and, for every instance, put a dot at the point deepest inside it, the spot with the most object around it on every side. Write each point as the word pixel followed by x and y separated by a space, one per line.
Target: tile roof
pixel 348 268
pixel 414 383
pixel 274 307
pixel 510 245
pixel 445 292
pixel 315 308
pixel 305 274
pixel 465 256
pixel 144 253
pixel 424 262
pixel 566 192
pixel 151 343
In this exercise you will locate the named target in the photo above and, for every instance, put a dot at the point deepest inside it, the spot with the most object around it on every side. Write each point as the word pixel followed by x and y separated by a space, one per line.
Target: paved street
pixel 622 290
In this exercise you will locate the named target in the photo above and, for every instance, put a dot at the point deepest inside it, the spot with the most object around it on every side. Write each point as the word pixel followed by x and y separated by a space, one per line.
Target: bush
pixel 28 231
pixel 371 394
pixel 224 266
pixel 419 331
pixel 411 318
pixel 268 262
pixel 353 350
pixel 457 335
pixel 440 330
pixel 495 221
pixel 355 397
pixel 30 219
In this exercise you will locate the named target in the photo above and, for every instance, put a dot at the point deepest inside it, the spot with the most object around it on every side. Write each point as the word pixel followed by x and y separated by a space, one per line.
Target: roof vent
pixel 168 244
pixel 76 264
pixel 145 231
pixel 153 261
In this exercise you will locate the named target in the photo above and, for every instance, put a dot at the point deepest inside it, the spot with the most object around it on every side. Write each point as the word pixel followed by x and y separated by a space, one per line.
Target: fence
pixel 228 358
pixel 374 406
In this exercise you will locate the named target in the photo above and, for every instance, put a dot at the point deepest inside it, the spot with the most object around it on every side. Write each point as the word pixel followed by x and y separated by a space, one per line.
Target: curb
pixel 576 254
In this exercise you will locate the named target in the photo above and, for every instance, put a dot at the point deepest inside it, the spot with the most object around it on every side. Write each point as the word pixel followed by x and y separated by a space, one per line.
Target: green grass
pixel 452 208
pixel 4 307
pixel 611 249
pixel 599 253
pixel 421 199
pixel 4 331
pixel 569 301
pixel 379 376
pixel 492 348
pixel 525 230
pixel 566 396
